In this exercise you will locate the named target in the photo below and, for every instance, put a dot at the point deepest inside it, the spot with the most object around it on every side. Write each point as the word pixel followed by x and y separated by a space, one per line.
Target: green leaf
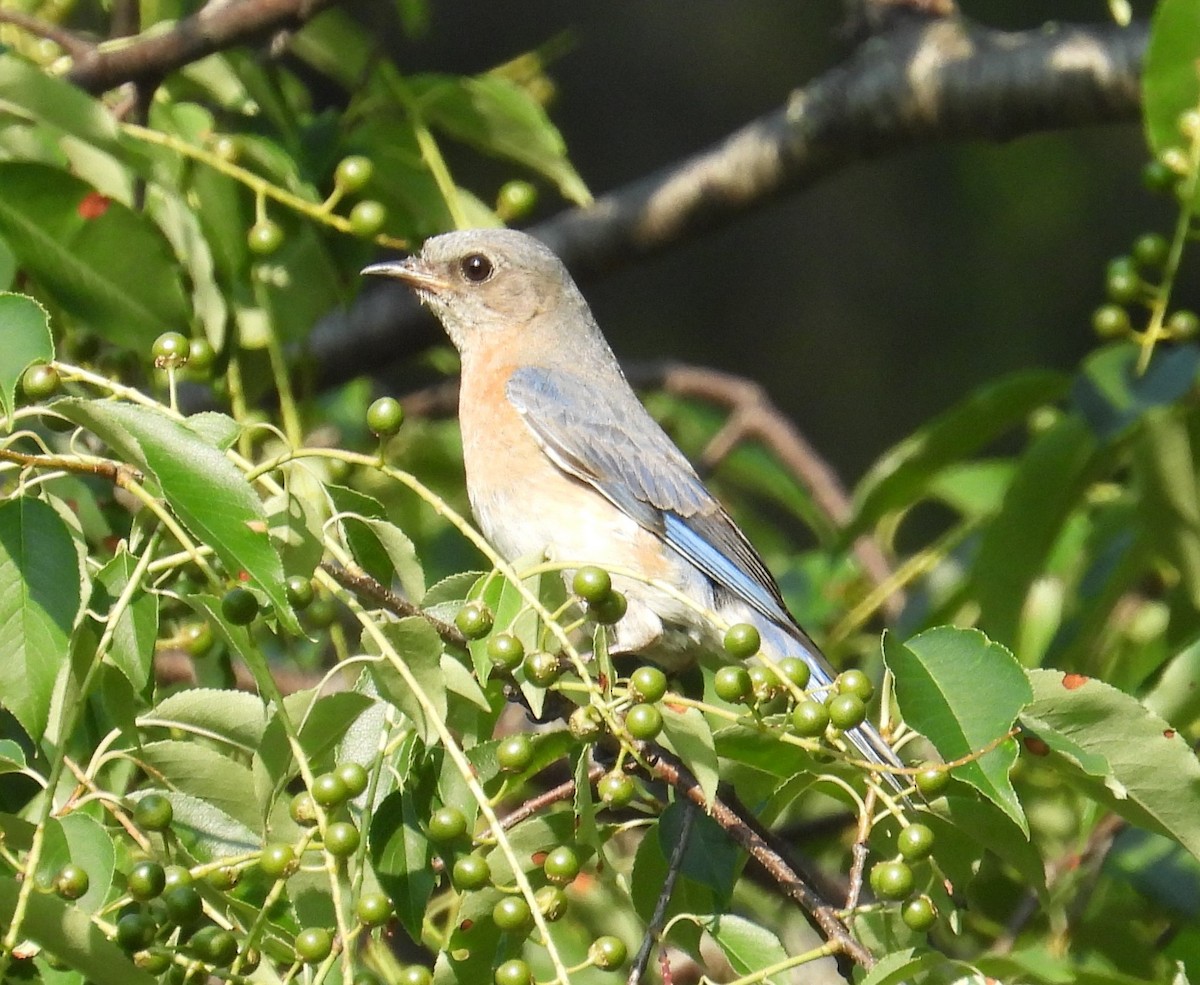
pixel 1170 84
pixel 82 258
pixel 1170 499
pixel 710 858
pixel 991 829
pixel 1119 752
pixel 232 717
pixel 1050 479
pixel 132 648
pixel 207 830
pixel 90 846
pixel 899 967
pixel 68 933
pixel 393 553
pixel 205 774
pixel 203 487
pixel 962 692
pixel 903 474
pixel 747 946
pixel 418 645
pixel 12 757
pixel 688 735
pixel 402 854
pixel 1112 393
pixel 499 117
pixel 25 327
pixel 39 599
pixel 45 98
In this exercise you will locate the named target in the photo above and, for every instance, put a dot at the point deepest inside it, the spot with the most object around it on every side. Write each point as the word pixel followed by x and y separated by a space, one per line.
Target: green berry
pixel 447 824
pixel 198 638
pixel 170 349
pixel 1175 159
pixel 153 812
pixel 513 972
pixel 512 915
pixel 608 952
pixel 1151 250
pixel 239 606
pixel 201 356
pixel 474 620
pixel 810 719
pixel 415 974
pixel 214 945
pixel 648 684
pixel 515 200
pixel 367 217
pixel 1183 324
pixel 742 640
pixel 40 382
pixel 514 753
pixel 561 865
pixel 764 683
pixel 373 909
pixel 184 905
pixel 1123 286
pixel 225 147
pixel 264 237
pixel 342 839
pixel 135 931
pixel 1189 124
pixel 224 878
pixel 915 842
pixel 71 881
pixel 152 962
pixel 354 776
pixel 385 416
pixel 541 668
pixel 300 592
pixel 506 651
pixel 177 875
pixel 732 684
pixel 277 860
pixel 1111 321
pixel 615 789
pixel 552 903
pixel 611 610
pixel 855 682
pixel 303 810
pixel 321 614
pixel 470 872
pixel 146 880
pixel 592 584
pixel 919 914
pixel 353 172
pixel 644 721
pixel 846 711
pixel 328 790
pixel 892 880
pixel 1157 177
pixel 313 945
pixel 932 780
pixel 795 670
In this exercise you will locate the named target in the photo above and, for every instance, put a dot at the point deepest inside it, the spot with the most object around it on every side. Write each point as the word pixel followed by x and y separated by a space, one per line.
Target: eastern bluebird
pixel 562 459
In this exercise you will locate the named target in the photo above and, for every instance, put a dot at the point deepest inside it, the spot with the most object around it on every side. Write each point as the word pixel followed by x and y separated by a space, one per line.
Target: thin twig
pixel 745 833
pixel 366 587
pixel 535 805
pixel 654 928
pixel 859 852
pixel 72 44
pixel 118 473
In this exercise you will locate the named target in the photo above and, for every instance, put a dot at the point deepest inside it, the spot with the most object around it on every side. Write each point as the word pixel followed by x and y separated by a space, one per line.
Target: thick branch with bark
pixel 923 81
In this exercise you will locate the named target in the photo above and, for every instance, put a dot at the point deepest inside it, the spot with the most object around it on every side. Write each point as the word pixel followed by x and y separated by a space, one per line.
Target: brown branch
pixel 150 56
pixel 535 805
pixel 118 473
pixel 72 44
pixel 746 833
pixel 366 587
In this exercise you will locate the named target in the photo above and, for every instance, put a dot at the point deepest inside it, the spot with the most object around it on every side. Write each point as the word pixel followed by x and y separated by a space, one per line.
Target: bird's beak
pixel 411 270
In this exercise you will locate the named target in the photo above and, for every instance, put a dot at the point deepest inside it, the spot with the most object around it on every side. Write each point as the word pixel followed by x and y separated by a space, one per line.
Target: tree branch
pixel 923 81
pixel 148 57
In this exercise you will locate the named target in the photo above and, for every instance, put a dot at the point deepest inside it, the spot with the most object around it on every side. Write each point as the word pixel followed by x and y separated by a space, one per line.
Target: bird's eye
pixel 476 268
